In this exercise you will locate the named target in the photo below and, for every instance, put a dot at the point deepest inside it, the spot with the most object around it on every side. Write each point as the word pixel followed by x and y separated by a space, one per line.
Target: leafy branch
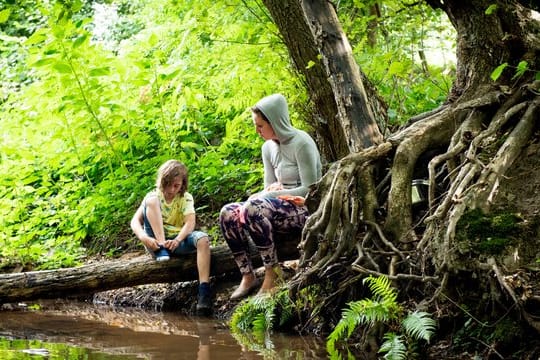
pixel 86 101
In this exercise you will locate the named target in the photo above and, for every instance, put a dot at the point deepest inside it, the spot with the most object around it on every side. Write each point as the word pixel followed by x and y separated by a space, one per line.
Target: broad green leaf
pixel 62 67
pixel 37 37
pixel 44 61
pixel 498 71
pixel 76 5
pixel 102 71
pixel 4 15
pixel 491 9
pixel 521 68
pixel 396 68
pixel 153 40
pixel 31 179
pixel 171 75
pixel 80 40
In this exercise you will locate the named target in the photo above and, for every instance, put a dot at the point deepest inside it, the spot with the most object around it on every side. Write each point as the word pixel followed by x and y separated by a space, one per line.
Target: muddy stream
pixel 73 330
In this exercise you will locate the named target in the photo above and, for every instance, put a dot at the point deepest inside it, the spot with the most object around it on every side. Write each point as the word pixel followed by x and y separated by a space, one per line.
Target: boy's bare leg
pixel 203 259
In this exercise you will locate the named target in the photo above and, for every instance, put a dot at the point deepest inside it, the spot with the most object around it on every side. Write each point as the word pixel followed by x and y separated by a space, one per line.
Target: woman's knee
pixel 253 209
pixel 227 212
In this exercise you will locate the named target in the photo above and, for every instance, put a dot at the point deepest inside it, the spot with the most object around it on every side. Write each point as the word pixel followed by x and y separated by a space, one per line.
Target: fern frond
pixel 394 346
pixel 419 325
pixel 243 316
pixel 381 288
pixel 343 327
pixel 262 302
pixel 260 323
pixel 379 312
pixel 363 312
pixel 286 305
pixel 255 313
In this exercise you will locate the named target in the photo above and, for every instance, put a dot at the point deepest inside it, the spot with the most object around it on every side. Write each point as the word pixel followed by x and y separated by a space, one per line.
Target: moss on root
pixel 488 234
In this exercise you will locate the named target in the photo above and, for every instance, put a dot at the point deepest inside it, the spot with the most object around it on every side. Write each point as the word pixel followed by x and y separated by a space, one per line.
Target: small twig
pixel 490 347
pixel 362 254
pixel 384 239
pixel 491 261
pixel 421 278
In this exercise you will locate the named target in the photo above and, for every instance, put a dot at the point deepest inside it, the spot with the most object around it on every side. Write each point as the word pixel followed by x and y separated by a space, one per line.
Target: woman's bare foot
pixel 248 283
pixel 269 282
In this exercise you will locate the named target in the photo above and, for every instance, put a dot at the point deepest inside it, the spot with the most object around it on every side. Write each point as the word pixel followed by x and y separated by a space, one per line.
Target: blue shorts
pixel 187 246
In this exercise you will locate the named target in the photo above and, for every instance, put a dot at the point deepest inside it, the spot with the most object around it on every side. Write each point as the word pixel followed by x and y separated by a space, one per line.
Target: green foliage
pixel 419 325
pixel 519 70
pixel 17 349
pixel 394 346
pixel 491 9
pixel 488 233
pixel 260 314
pixel 382 308
pixel 406 53
pixel 83 139
pixel 498 71
pixel 18 20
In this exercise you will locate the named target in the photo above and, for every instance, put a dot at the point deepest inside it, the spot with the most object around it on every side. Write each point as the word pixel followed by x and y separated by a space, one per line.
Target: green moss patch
pixel 488 233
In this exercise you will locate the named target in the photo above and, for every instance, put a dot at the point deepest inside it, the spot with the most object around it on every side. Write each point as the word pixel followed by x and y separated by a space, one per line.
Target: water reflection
pixel 134 333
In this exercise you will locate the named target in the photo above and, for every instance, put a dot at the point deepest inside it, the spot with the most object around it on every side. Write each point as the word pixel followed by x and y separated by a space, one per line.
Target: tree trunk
pixel 85 280
pixel 355 114
pixel 336 99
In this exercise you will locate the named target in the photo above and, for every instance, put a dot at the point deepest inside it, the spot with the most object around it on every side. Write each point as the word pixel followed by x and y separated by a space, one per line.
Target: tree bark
pixel 85 280
pixel 508 34
pixel 355 113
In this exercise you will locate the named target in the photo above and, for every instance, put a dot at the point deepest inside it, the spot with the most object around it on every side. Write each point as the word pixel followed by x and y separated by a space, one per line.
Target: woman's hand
pixel 296 200
pixel 274 187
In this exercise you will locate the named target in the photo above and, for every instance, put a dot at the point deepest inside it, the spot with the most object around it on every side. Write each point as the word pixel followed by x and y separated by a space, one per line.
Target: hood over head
pixel 275 108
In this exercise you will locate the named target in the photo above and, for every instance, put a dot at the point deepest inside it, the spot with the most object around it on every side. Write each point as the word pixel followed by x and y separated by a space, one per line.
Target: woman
pixel 291 164
pixel 165 224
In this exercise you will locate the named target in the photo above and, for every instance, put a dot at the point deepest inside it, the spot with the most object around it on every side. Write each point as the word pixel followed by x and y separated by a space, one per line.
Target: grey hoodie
pixel 294 161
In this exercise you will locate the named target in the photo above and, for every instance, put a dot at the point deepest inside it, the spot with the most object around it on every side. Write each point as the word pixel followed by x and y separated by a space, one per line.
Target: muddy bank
pixel 181 297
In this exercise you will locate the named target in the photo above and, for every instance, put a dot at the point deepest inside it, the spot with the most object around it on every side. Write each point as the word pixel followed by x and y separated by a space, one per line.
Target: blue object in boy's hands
pixel 162 254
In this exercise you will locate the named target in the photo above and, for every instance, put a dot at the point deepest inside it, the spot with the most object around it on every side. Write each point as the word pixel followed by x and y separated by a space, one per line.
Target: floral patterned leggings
pixel 259 219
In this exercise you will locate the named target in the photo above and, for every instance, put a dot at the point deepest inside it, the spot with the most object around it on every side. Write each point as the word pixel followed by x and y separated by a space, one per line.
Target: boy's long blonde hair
pixel 168 172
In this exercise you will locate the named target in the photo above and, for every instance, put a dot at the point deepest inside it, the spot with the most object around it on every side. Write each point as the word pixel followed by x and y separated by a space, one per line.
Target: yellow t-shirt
pixel 173 214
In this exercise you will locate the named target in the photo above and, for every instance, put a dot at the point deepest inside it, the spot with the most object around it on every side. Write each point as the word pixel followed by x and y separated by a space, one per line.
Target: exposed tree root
pixel 488 135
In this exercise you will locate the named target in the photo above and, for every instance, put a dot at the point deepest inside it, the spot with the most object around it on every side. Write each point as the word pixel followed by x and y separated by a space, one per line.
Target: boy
pixel 165 224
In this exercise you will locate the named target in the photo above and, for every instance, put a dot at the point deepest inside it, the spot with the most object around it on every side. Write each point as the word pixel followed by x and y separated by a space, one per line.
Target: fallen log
pixel 83 281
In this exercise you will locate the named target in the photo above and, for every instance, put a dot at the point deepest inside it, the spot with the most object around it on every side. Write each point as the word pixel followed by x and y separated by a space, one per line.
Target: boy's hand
pixel 171 244
pixel 150 243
